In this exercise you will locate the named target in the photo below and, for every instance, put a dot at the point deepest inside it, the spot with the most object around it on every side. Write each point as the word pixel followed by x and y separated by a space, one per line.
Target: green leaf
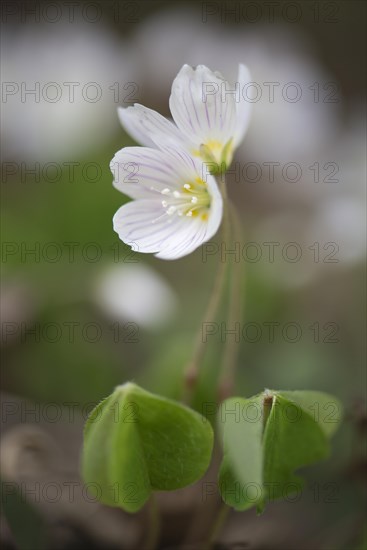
pixel 325 409
pixel 241 469
pixel 136 442
pixel 266 438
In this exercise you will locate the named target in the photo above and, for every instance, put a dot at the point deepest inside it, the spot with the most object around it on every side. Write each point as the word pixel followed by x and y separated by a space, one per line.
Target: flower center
pixel 191 200
pixel 216 154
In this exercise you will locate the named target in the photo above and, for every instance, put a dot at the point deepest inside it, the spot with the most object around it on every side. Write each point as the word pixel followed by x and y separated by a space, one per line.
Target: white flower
pixel 211 116
pixel 177 207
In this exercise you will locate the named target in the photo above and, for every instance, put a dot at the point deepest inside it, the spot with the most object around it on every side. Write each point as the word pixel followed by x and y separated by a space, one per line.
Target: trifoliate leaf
pixel 269 436
pixel 136 442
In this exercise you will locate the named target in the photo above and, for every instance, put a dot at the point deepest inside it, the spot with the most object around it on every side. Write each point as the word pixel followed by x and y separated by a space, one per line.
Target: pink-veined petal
pixel 145 226
pixel 148 127
pixel 200 107
pixel 142 172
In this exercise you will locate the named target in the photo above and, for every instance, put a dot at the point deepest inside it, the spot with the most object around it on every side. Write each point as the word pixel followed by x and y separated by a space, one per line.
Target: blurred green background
pixel 63 212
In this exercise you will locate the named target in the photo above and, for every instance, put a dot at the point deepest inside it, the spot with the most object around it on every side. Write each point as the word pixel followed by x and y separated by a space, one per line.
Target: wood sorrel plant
pixel 135 442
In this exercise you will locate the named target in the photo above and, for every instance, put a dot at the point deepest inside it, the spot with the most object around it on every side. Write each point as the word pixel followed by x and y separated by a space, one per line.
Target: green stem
pixel 229 362
pixel 218 525
pixel 151 542
pixel 191 372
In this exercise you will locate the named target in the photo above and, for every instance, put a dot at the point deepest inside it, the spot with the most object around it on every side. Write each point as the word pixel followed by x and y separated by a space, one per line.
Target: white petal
pixel 187 238
pixel 148 127
pixel 141 225
pixel 145 226
pixel 200 107
pixel 141 172
pixel 243 107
